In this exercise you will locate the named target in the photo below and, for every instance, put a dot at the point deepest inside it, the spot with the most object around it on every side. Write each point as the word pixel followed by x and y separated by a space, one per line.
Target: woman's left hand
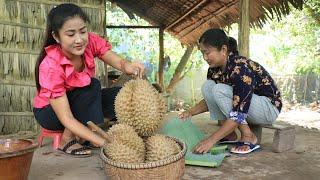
pixel 134 68
pixel 204 146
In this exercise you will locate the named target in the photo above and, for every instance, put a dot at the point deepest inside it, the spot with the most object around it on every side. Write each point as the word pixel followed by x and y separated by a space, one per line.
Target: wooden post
pixel 104 23
pixel 106 76
pixel 177 73
pixel 244 27
pixel 161 59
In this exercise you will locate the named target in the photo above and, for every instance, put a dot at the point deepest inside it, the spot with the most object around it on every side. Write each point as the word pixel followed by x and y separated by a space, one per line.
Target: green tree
pixel 290 45
pixel 300 37
pixel 313 9
pixel 143 44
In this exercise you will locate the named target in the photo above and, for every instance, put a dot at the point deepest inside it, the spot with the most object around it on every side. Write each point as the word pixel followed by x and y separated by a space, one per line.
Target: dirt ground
pixel 303 162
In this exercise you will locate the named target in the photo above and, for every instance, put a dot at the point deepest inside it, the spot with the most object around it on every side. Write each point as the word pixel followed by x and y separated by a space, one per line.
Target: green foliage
pixel 298 42
pixel 289 46
pixel 143 44
pixel 313 9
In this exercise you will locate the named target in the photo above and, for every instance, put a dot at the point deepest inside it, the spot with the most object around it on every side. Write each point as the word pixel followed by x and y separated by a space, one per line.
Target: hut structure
pixel 22 24
pixel 188 19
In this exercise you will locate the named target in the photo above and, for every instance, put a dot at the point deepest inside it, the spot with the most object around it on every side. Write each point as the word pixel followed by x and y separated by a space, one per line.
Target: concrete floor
pixel 303 162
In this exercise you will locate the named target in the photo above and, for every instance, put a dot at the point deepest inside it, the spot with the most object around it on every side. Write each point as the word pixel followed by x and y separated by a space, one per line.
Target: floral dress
pixel 246 78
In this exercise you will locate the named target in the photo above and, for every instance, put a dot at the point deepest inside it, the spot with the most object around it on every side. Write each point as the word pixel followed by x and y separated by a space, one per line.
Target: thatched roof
pixel 188 19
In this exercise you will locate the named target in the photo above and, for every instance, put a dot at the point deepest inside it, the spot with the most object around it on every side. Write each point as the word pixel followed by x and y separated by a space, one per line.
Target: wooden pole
pixel 132 27
pixel 161 59
pixel 105 65
pixel 244 27
pixel 182 64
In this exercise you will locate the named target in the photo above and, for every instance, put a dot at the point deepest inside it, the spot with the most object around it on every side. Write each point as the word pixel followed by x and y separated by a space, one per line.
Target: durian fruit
pixel 126 135
pixel 160 147
pixel 122 153
pixel 139 105
pixel 123 108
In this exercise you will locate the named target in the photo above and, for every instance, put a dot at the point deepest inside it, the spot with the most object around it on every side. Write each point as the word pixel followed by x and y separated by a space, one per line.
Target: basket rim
pixel 147 165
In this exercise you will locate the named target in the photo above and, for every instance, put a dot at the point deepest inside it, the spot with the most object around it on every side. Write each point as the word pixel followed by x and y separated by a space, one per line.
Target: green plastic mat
pixel 189 133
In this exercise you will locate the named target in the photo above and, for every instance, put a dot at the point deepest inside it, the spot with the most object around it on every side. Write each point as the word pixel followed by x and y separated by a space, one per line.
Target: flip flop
pixel 227 141
pixel 74 152
pixel 252 147
pixel 89 145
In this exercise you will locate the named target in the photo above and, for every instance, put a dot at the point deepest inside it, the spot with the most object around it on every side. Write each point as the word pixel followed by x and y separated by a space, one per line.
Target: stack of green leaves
pixel 183 130
pixel 189 133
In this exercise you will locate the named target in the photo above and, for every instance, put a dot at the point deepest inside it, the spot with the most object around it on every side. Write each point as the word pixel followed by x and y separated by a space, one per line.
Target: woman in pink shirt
pixel 68 95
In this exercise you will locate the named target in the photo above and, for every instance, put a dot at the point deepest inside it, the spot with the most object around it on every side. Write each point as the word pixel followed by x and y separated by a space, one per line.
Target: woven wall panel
pixel 22 26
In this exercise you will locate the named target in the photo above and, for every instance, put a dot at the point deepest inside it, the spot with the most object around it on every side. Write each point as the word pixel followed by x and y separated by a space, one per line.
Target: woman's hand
pixel 204 146
pixel 119 63
pixel 134 68
pixel 185 115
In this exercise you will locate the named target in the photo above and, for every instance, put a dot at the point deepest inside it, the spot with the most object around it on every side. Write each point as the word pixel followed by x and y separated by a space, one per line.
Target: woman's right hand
pixel 185 115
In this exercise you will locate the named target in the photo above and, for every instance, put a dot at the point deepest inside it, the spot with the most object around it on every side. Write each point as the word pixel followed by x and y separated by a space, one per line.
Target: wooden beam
pixel 182 64
pixel 17 83
pixel 106 76
pixel 105 35
pixel 137 12
pixel 83 5
pixel 201 22
pixel 27 113
pixel 244 27
pixel 132 27
pixel 185 15
pixel 19 24
pixel 161 59
pixel 17 50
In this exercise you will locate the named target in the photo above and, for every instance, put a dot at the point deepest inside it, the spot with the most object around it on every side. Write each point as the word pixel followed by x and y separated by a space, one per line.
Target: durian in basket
pixel 126 145
pixel 135 151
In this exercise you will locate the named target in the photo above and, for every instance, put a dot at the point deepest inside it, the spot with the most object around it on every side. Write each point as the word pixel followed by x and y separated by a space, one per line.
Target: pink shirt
pixel 57 74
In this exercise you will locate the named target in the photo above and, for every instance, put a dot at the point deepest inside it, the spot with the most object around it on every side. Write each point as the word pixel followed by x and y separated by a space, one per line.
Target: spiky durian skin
pixel 123 108
pixel 160 147
pixel 138 104
pixel 126 135
pixel 122 153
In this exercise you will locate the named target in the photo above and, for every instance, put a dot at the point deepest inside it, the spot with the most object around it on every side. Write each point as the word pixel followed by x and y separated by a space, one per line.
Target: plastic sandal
pixel 74 152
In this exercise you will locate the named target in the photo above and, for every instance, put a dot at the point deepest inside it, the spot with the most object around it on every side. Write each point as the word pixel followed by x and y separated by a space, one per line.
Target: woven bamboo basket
pixel 171 168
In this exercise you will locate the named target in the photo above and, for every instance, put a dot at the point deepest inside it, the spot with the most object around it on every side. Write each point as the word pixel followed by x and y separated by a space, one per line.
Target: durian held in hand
pixel 139 105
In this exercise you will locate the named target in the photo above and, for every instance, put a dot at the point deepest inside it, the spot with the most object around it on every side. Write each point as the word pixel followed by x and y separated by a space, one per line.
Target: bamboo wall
pixel 22 26
pixel 303 89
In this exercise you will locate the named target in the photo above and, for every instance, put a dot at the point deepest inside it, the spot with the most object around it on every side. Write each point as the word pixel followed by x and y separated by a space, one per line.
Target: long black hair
pixel 233 46
pixel 217 38
pixel 55 20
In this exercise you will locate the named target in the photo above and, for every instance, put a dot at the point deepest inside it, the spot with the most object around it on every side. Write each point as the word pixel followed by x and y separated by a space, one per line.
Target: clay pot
pixel 15 158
